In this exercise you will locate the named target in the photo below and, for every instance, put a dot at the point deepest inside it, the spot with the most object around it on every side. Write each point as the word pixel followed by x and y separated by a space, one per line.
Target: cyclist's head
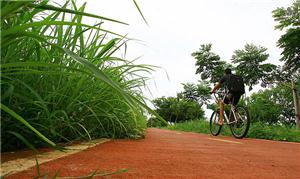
pixel 227 71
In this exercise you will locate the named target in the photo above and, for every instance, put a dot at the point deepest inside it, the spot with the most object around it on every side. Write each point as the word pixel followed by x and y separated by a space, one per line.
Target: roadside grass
pixel 64 80
pixel 257 130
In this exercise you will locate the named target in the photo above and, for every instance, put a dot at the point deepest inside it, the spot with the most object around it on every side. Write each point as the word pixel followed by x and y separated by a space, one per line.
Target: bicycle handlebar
pixel 218 95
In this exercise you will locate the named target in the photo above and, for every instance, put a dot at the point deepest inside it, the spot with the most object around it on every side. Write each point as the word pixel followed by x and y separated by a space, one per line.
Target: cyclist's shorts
pixel 232 98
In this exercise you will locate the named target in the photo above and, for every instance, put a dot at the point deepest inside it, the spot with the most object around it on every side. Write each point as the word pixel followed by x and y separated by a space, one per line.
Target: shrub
pixel 177 110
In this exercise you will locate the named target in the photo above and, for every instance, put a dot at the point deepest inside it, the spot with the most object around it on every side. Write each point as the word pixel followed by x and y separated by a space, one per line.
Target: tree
pixel 273 106
pixel 289 42
pixel 199 93
pixel 174 109
pixel 251 65
pixel 288 19
pixel 209 65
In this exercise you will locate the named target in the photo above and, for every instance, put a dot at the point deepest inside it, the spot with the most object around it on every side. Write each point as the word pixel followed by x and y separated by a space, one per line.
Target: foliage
pixel 199 93
pixel 257 130
pixel 63 78
pixel 288 18
pixel 274 132
pixel 251 65
pixel 154 122
pixel 177 110
pixel 199 126
pixel 272 106
pixel 209 65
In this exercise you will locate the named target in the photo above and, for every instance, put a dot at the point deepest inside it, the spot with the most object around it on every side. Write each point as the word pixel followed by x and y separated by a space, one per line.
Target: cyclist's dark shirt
pixel 234 97
pixel 225 79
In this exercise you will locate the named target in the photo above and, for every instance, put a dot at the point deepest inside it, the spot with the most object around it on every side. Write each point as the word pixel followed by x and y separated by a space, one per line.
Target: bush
pixel 260 130
pixel 177 110
pixel 273 106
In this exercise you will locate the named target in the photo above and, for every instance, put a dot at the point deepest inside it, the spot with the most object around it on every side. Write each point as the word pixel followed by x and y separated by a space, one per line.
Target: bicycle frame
pixel 227 121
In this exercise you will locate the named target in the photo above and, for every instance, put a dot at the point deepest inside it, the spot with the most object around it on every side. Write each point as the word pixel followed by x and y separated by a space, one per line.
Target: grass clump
pixel 63 80
pixel 199 126
pixel 274 132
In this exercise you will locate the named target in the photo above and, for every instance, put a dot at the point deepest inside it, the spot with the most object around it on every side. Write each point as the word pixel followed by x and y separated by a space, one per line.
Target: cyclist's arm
pixel 217 86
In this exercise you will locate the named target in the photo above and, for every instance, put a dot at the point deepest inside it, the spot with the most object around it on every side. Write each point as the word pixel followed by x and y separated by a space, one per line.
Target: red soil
pixel 172 154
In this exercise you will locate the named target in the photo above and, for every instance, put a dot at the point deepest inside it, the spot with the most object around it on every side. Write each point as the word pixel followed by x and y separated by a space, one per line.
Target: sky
pixel 178 28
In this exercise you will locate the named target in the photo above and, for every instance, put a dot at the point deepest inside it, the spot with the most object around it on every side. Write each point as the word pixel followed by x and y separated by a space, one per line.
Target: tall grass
pixel 61 79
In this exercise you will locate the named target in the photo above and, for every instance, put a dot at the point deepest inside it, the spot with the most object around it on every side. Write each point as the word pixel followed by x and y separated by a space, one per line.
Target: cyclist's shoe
pixel 220 122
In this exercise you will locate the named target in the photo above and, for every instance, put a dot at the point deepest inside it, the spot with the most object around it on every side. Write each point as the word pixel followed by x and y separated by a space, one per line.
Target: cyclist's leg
pixel 226 101
pixel 221 112
pixel 234 101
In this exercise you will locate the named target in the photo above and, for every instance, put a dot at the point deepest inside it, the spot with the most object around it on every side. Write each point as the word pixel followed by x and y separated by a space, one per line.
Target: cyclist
pixel 235 86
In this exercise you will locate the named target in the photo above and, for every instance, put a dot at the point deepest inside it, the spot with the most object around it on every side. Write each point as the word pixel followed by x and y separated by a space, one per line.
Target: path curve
pixel 173 154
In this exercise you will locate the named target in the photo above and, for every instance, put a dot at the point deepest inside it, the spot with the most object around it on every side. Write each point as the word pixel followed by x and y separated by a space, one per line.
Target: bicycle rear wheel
pixel 214 126
pixel 240 127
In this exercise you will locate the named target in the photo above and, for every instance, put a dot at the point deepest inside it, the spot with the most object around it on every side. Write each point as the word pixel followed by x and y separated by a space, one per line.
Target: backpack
pixel 235 84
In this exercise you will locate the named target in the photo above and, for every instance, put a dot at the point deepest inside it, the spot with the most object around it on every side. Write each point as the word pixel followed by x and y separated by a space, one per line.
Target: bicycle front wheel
pixel 239 128
pixel 214 126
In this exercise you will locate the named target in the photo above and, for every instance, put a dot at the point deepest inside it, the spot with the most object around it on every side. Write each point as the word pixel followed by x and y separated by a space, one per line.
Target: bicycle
pixel 240 124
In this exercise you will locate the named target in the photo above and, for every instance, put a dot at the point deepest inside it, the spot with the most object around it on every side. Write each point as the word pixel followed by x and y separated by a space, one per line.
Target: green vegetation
pixel 288 19
pixel 257 130
pixel 272 106
pixel 187 105
pixel 249 62
pixel 62 80
pixel 155 122
pixel 175 110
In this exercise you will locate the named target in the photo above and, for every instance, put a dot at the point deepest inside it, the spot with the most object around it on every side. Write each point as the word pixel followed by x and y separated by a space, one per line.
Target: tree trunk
pixel 298 113
pixel 296 103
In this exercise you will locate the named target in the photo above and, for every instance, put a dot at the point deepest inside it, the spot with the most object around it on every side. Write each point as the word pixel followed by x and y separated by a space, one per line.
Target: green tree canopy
pixel 209 65
pixel 289 18
pixel 173 109
pixel 273 106
pixel 250 64
pixel 199 93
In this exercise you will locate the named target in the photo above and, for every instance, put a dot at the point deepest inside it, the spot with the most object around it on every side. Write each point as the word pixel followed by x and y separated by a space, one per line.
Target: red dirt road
pixel 173 154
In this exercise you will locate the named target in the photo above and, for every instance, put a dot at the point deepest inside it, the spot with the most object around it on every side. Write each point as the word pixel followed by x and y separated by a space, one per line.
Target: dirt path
pixel 172 154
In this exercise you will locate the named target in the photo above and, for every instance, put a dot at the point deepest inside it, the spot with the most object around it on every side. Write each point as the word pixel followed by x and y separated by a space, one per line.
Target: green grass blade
pixel 137 6
pixel 21 28
pixel 107 47
pixel 25 141
pixel 88 134
pixel 57 9
pixel 19 118
pixel 37 165
pixel 12 7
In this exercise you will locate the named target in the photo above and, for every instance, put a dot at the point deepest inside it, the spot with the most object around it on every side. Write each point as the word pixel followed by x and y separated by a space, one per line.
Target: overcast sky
pixel 177 28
